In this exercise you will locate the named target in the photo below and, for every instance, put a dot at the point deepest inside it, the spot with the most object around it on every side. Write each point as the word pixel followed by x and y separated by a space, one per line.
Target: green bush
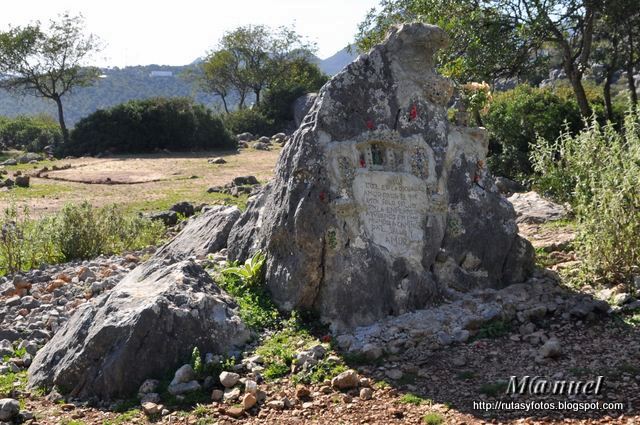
pixel 514 121
pixel 597 171
pixel 25 243
pixel 30 133
pixel 249 120
pixel 76 232
pixel 177 124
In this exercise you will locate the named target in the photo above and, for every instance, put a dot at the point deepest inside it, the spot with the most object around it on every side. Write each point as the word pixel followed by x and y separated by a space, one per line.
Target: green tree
pixel 250 59
pixel 49 62
pixel 221 74
pixel 484 45
pixel 569 25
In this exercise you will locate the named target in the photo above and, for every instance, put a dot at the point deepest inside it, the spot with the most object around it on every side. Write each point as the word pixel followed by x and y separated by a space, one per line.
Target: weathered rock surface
pixel 301 107
pixel 204 234
pixel 531 208
pixel 150 321
pixel 9 409
pixel 380 206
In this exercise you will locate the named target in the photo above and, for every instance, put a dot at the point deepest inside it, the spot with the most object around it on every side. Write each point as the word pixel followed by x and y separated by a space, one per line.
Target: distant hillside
pixel 119 85
pixel 334 64
pixel 115 86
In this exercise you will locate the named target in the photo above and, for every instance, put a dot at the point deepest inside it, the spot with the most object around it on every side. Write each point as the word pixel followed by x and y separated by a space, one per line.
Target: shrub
pixel 25 243
pixel 76 232
pixel 30 133
pixel 249 120
pixel 597 171
pixel 176 124
pixel 514 121
pixel 84 232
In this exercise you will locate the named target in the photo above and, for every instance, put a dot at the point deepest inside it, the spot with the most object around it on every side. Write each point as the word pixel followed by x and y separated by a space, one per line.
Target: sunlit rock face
pixel 379 205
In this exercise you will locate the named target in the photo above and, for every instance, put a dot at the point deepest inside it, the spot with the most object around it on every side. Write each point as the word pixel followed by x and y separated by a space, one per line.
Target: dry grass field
pixel 139 183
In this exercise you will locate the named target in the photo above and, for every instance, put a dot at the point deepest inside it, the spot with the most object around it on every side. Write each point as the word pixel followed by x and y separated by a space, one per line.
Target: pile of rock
pixel 264 143
pixel 28 158
pixel 173 214
pixel 34 305
pixel 523 306
pixel 239 185
pixel 18 180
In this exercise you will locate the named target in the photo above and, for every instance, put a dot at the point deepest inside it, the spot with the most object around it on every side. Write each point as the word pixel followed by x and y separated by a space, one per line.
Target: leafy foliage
pixel 253 58
pixel 514 121
pixel 250 271
pixel 597 171
pixel 279 350
pixel 245 283
pixel 29 133
pixel 493 329
pixel 249 120
pixel 76 232
pixel 433 418
pixel 48 63
pixel 147 125
pixel 409 398
pixel 484 46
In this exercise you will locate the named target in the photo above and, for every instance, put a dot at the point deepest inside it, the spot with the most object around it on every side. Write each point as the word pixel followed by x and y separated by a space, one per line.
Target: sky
pixel 142 32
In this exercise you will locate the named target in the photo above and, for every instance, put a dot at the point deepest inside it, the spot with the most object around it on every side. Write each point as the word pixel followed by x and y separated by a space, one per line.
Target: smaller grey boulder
pixel 149 323
pixel 184 374
pixel 245 180
pixel 168 218
pixel 507 186
pixel 186 209
pixel 217 160
pixel 203 234
pixel 261 146
pixel 9 409
pixel 346 380
pixel 22 181
pixel 551 348
pixel 244 137
pixel 229 379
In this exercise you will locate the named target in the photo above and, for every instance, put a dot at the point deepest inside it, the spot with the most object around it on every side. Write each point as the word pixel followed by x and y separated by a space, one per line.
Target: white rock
pixel 184 374
pixel 229 379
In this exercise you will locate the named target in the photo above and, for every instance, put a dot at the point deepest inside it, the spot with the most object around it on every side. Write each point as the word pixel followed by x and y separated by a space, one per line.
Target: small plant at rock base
pixel 433 419
pixel 493 329
pixel 200 410
pixel 411 399
pixel 320 372
pixel 245 284
pixel 250 272
pixel 196 362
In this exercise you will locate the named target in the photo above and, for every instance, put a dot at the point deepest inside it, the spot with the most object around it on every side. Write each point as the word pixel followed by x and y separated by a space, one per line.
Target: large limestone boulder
pixel 150 322
pixel 379 205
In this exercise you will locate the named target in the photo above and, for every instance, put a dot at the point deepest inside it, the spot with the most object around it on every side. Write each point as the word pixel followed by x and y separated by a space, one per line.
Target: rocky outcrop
pixel 149 322
pixel 531 208
pixel 379 205
pixel 204 234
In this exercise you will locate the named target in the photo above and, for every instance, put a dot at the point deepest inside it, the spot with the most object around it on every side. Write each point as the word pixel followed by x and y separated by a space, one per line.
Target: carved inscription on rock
pixel 393 208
